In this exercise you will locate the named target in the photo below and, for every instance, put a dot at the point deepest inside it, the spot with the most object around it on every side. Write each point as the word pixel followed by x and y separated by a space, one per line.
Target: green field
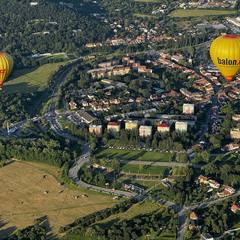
pixel 139 208
pixel 200 12
pixel 148 1
pixel 32 80
pixel 128 155
pixel 141 169
pixel 141 15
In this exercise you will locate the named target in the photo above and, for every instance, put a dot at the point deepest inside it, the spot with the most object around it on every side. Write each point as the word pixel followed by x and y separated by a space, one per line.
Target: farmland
pixel 29 191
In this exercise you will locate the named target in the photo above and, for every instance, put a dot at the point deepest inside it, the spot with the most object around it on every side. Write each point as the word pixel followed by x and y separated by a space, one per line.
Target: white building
pixel 188 108
pixel 145 131
pixel 181 126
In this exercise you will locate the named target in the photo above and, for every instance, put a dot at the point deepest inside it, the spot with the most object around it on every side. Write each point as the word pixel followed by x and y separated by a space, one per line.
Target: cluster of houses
pixel 227 190
pixel 231 91
pixel 111 68
pixel 203 87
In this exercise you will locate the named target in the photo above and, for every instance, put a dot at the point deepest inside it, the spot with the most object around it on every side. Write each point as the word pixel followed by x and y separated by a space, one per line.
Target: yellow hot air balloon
pixel 225 54
pixel 6 66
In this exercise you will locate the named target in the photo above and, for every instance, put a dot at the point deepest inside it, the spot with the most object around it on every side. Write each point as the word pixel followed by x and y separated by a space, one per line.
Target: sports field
pixel 140 155
pixel 152 170
pixel 30 190
pixel 32 80
pixel 200 12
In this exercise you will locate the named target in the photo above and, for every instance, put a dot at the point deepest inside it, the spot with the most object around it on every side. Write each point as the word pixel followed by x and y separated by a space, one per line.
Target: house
pixel 188 108
pixel 202 179
pixel 72 105
pixel 145 131
pixel 235 208
pixel 214 184
pixel 231 147
pixel 193 216
pixel 226 192
pixel 206 236
pixel 236 117
pixel 235 133
pixel 131 125
pixel 163 127
pixel 181 126
pixel 113 127
pixel 95 129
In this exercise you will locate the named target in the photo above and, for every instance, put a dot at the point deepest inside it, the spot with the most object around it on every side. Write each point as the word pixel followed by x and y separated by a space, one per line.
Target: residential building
pixel 95 129
pixel 231 147
pixel 131 125
pixel 193 216
pixel 85 117
pixel 226 192
pixel 202 179
pixel 206 236
pixel 236 117
pixel 235 133
pixel 113 127
pixel 181 126
pixel 235 208
pixel 72 105
pixel 163 127
pixel 214 184
pixel 188 108
pixel 145 131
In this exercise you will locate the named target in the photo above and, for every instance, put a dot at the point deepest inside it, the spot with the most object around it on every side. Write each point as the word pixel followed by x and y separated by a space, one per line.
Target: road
pixel 73 175
pixel 182 214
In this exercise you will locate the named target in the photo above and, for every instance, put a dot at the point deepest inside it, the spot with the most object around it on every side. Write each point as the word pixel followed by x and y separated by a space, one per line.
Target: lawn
pixel 129 155
pixel 141 15
pixel 144 207
pixel 23 200
pixel 200 12
pixel 148 1
pixel 141 169
pixel 31 80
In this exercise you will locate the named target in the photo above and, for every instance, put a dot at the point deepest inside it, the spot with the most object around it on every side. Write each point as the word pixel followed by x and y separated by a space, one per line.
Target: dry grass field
pixel 23 198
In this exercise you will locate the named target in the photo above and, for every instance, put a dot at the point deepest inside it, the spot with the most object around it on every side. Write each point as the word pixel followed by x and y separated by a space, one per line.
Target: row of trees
pixel 40 150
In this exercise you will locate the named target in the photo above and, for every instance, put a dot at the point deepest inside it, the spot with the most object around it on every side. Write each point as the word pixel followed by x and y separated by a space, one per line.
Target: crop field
pixel 128 155
pixel 200 12
pixel 32 80
pixel 30 190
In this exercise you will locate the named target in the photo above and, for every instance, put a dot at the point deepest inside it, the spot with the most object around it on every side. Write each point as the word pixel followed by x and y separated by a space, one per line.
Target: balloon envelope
pixel 6 66
pixel 225 54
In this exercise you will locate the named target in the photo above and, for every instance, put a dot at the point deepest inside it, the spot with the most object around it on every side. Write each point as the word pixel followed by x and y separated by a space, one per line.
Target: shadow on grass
pixel 19 88
pixel 6 232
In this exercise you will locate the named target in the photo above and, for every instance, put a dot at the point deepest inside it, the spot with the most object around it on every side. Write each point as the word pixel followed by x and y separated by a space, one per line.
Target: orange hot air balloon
pixel 6 66
pixel 225 54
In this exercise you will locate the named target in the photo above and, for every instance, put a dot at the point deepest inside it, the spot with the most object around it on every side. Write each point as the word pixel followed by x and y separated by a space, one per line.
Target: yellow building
pixel 95 129
pixel 131 125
